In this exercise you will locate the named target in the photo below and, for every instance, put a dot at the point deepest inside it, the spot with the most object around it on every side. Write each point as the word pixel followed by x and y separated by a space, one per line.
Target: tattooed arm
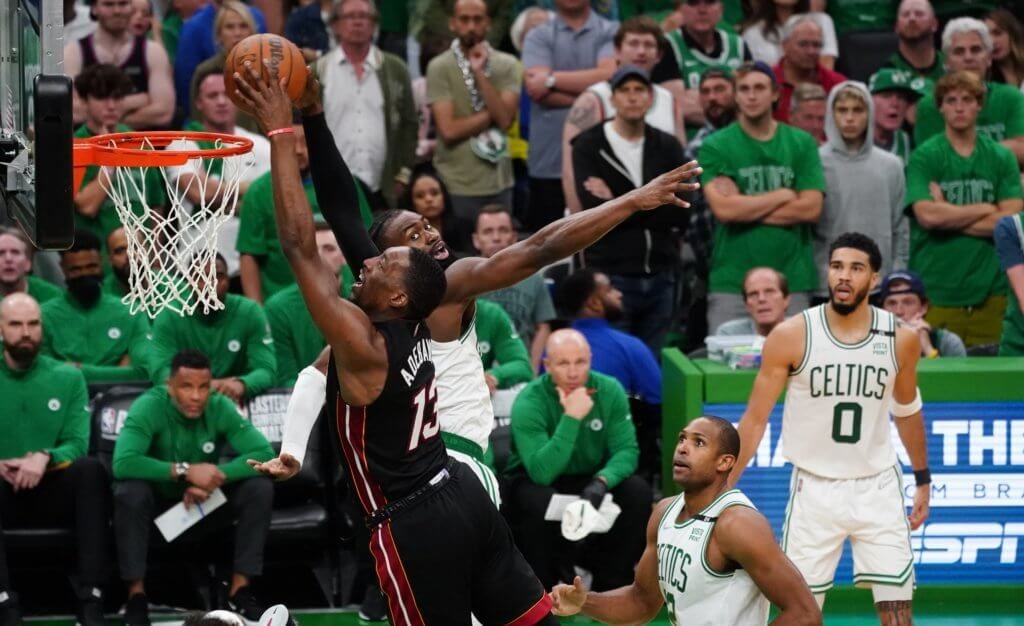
pixel 895 613
pixel 585 113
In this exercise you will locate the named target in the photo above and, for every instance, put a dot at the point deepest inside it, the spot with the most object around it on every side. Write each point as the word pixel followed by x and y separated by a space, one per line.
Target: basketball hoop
pixel 171 256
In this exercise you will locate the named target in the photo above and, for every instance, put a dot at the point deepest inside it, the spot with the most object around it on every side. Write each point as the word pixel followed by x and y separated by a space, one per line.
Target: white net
pixel 172 251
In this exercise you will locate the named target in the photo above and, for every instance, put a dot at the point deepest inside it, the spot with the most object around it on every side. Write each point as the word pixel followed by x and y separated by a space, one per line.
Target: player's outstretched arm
pixel 333 183
pixel 474 276
pixel 358 347
pixel 781 354
pixel 910 419
pixel 638 603
pixel 745 537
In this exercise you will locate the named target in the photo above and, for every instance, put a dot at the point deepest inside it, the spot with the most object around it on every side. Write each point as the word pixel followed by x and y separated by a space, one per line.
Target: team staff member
pixel 46 477
pixel 15 265
pixel 91 329
pixel 572 433
pixel 168 451
pixel 236 338
pixel 297 341
pixel 506 361
pixel 710 556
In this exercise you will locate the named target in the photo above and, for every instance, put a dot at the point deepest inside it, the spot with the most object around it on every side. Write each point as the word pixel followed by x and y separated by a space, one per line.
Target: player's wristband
pixel 280 131
pixel 923 477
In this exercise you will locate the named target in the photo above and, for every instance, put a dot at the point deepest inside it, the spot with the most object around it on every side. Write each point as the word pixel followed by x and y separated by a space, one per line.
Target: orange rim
pixel 126 149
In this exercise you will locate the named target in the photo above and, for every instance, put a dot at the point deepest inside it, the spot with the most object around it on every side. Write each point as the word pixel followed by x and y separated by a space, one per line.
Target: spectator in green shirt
pixel 91 329
pixel 916 27
pixel 765 185
pixel 47 479
pixel 297 340
pixel 968 47
pixel 506 361
pixel 15 265
pixel 572 433
pixel 116 282
pixel 236 338
pixel 169 451
pixel 959 185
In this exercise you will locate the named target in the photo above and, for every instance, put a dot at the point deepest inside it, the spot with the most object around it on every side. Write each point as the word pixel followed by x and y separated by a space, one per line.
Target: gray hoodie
pixel 864 192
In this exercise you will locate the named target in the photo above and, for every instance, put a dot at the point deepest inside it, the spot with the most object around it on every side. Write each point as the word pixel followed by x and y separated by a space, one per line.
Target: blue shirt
pixel 196 44
pixel 623 357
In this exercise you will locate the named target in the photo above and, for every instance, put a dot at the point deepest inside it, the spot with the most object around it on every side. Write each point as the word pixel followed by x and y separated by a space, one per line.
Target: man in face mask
pixel 91 329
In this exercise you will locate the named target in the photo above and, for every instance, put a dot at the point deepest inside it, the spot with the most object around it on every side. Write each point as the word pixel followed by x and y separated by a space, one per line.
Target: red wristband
pixel 280 131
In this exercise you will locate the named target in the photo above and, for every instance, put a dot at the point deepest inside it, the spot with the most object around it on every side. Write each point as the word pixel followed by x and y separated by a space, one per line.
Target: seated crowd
pixel 492 126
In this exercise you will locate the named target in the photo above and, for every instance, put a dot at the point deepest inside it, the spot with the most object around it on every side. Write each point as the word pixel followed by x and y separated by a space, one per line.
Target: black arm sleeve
pixel 336 192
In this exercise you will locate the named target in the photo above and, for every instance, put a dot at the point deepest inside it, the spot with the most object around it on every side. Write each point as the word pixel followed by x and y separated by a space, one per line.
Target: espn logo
pixel 948 543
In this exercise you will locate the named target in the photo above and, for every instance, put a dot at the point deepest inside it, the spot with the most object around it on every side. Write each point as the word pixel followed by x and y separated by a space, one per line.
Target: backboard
pixel 36 124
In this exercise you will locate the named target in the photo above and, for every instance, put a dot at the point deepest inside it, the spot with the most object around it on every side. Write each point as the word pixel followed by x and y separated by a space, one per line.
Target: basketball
pixel 284 56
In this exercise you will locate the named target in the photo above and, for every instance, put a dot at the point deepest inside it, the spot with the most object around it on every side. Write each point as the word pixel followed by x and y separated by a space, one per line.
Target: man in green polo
pixel 116 282
pixel 46 479
pixel 297 340
pixel 92 329
pixel 236 339
pixel 959 185
pixel 572 433
pixel 504 355
pixel 15 265
pixel 169 451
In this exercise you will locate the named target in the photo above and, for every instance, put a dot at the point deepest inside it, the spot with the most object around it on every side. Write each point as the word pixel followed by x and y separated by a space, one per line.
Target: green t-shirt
pixel 1001 118
pixel 464 172
pixel 933 73
pixel 237 340
pixel 41 290
pixel 149 180
pixel 947 9
pixel 852 16
pixel 789 159
pixel 257 232
pixel 901 146
pixel 547 443
pixel 959 270
pixel 98 338
pixel 45 408
pixel 502 351
pixel 156 435
pixel 113 286
pixel 297 340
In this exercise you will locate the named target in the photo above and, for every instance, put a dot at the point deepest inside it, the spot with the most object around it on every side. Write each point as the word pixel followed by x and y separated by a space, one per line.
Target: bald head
pixel 470 5
pixel 568 359
pixel 21 329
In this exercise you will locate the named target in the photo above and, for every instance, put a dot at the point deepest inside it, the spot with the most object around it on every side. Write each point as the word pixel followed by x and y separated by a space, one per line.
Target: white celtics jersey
pixel 836 418
pixel 695 594
pixel 661 115
pixel 463 399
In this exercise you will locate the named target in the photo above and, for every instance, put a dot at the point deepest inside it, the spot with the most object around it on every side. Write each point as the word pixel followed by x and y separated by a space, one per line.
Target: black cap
pixel 626 72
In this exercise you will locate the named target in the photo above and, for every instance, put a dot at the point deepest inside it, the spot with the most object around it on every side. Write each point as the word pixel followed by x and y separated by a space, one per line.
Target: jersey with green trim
pixel 693 62
pixel 696 594
pixel 463 399
pixel 835 422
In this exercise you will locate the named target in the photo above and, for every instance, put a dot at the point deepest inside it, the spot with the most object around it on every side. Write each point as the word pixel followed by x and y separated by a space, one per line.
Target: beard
pixel 23 352
pixel 845 309
pixel 721 117
pixel 123 274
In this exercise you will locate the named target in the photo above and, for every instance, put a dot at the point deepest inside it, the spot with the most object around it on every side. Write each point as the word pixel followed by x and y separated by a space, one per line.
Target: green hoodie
pixel 156 435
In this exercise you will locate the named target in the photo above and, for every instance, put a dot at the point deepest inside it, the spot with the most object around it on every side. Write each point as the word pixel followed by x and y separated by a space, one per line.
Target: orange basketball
pixel 284 57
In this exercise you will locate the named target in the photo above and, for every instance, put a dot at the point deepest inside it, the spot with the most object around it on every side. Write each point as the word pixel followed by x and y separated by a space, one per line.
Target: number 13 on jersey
pixel 425 425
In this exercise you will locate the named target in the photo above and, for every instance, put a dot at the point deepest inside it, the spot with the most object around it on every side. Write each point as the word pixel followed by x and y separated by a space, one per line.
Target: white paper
pixel 177 519
pixel 556 507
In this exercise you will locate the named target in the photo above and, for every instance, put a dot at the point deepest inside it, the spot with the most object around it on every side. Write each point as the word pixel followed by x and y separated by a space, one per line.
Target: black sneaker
pixel 374 608
pixel 247 604
pixel 136 610
pixel 10 613
pixel 89 608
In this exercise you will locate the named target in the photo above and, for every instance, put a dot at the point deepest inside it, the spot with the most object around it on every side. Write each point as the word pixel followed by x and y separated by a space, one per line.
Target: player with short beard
pixel 846 364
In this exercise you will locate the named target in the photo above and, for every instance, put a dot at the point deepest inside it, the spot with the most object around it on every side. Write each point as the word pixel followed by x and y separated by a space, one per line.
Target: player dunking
pixel 442 551
pixel 463 399
pixel 847 365
pixel 711 556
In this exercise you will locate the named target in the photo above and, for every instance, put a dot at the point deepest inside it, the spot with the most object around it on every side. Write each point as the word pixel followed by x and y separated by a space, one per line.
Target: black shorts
pixel 452 554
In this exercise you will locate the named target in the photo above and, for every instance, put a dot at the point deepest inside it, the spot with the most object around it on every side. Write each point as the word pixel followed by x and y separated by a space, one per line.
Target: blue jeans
pixel 648 304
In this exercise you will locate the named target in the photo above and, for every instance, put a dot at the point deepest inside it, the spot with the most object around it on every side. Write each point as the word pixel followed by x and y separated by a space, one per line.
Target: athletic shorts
pixel 450 555
pixel 823 512
pixel 484 473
